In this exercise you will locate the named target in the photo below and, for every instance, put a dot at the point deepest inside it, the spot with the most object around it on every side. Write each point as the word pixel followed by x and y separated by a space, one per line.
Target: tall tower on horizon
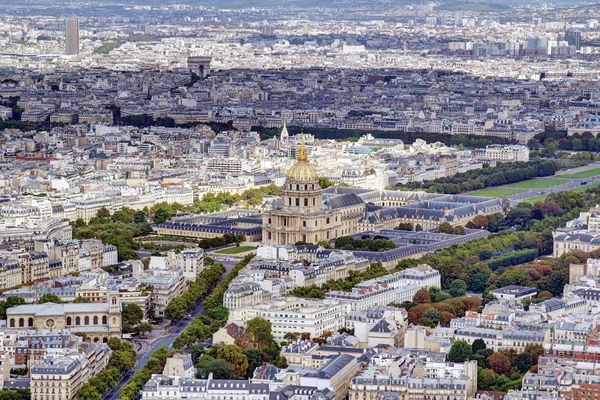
pixel 72 36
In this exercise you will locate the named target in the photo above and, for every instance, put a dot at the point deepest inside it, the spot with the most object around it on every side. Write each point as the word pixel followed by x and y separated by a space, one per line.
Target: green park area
pixel 236 250
pixel 537 183
pixel 582 175
pixel 501 191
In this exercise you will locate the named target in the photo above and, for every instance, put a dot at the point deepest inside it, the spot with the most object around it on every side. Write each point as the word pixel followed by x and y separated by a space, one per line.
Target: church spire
pixel 284 132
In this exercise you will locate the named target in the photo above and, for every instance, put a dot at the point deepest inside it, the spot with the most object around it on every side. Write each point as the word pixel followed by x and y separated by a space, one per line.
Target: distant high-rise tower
pixel 72 36
pixel 574 39
pixel 458 18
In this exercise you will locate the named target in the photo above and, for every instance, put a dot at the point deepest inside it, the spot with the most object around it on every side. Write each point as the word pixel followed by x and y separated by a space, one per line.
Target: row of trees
pixel 203 327
pixel 487 177
pixel 180 306
pixel 560 140
pixel 155 365
pixel 365 243
pixel 215 299
pixel 239 360
pixel 176 310
pixel 122 360
pixel 375 270
pixel 407 137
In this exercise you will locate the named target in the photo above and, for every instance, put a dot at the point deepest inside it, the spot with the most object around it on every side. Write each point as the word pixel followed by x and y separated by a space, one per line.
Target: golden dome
pixel 302 171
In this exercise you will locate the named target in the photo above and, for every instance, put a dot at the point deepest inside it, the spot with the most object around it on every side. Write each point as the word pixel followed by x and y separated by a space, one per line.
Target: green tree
pixel 460 351
pixel 434 315
pixel 144 327
pixel 139 217
pixel 220 369
pixel 11 301
pixel 162 214
pixel 533 351
pixel 234 357
pixel 131 314
pixel 202 366
pixel 521 363
pixel 49 298
pixel 177 309
pixel 478 344
pixel 88 392
pixel 325 182
pixel 103 213
pixel 445 227
pixel 220 313
pixel 80 299
pixel 260 330
pixel 457 288
pixel 122 360
pixel 291 336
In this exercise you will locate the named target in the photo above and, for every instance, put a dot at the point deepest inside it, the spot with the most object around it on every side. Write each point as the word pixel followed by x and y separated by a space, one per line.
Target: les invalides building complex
pixel 302 216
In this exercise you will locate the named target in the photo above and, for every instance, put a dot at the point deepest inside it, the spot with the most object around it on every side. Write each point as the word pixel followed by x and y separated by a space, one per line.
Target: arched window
pixel 305 187
pixel 290 201
pixel 95 320
pixel 305 202
pixel 12 322
pixel 77 321
pixel 297 187
pixel 114 321
pixel 297 202
pixel 269 221
pixel 104 340
pixel 104 320
pixel 21 322
pixel 86 321
pixel 314 201
pixel 114 301
pixel 30 322
pixel 69 321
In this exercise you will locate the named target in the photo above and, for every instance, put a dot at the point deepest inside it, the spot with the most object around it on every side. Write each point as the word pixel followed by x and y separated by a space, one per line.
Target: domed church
pixel 301 216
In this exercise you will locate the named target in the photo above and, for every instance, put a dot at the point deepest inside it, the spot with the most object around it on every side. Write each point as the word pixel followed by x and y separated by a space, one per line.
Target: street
pixel 571 184
pixel 174 331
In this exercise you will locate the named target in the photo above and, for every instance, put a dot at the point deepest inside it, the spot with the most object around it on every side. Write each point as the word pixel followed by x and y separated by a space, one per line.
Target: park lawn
pixel 236 250
pixel 583 174
pixel 535 199
pixel 496 192
pixel 537 183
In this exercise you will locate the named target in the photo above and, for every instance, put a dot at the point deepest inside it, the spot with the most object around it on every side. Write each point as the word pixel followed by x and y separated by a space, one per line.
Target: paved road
pixel 168 340
pixel 571 184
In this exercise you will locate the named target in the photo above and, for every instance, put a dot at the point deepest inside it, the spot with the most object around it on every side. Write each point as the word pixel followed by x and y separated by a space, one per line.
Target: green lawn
pixel 496 192
pixel 536 199
pixel 236 250
pixel 583 174
pixel 537 183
